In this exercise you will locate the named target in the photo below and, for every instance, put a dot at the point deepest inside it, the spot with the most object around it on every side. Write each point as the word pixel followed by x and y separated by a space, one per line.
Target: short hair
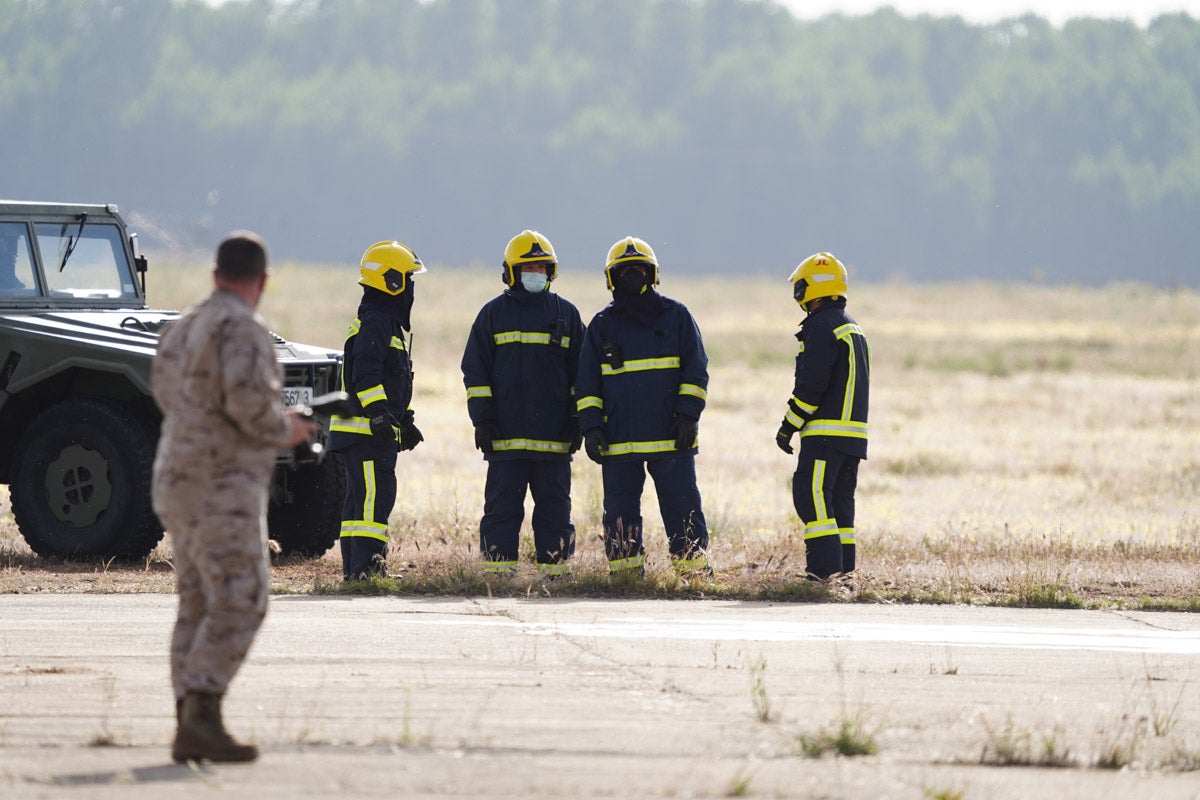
pixel 241 257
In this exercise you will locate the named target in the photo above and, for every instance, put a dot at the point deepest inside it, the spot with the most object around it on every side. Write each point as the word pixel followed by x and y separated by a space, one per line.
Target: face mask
pixel 534 282
pixel 630 281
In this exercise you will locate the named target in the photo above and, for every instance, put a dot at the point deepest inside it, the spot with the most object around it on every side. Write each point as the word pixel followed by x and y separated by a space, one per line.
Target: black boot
pixel 824 557
pixel 368 559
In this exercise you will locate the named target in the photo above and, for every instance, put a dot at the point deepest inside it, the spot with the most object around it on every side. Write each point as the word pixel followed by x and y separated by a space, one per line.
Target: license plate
pixel 297 395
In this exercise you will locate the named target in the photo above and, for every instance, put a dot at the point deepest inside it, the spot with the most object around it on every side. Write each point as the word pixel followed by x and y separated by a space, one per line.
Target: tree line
pixel 730 135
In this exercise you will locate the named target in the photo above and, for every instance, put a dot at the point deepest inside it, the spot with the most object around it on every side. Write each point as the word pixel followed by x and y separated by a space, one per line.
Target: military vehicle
pixel 78 424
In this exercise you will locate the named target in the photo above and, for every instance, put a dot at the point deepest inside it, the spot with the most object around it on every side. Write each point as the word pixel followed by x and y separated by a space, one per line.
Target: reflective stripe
pixel 562 568
pixel 847 535
pixel 537 445
pixel 354 326
pixel 807 408
pixel 817 489
pixel 478 391
pixel 641 364
pixel 368 510
pixel 591 401
pixel 372 394
pixel 622 448
pixel 633 562
pixel 847 330
pixel 364 528
pixel 398 343
pixel 500 567
pixel 834 427
pixel 801 350
pixel 693 390
pixel 351 425
pixel 820 528
pixel 690 564
pixel 796 420
pixel 527 337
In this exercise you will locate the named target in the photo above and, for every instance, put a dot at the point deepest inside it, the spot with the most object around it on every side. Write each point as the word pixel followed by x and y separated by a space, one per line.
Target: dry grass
pixel 1031 445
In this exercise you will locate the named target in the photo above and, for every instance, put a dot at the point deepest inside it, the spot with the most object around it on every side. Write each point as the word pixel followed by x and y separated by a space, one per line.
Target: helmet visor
pixel 799 288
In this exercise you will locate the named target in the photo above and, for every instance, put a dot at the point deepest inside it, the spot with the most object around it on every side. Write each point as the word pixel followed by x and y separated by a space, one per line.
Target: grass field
pixel 1030 444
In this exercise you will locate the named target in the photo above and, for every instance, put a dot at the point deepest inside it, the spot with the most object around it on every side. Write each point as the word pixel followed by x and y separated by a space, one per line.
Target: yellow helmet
pixel 528 247
pixel 386 265
pixel 631 250
pixel 819 275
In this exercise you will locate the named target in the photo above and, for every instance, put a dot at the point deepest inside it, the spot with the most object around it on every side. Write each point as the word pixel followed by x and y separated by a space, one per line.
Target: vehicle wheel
pixel 305 515
pixel 81 482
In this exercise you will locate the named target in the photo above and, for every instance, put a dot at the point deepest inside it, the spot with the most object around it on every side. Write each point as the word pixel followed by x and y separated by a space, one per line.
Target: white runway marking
pixel 1107 639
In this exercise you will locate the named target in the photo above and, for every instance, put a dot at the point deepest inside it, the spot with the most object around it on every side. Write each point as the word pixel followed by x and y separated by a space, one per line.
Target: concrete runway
pixel 410 697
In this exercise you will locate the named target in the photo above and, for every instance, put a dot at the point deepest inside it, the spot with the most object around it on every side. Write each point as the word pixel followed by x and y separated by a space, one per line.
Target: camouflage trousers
pixel 221 572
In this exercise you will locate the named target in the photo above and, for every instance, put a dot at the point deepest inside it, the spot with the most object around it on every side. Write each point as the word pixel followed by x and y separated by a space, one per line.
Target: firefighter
pixel 828 408
pixel 643 383
pixel 519 370
pixel 377 373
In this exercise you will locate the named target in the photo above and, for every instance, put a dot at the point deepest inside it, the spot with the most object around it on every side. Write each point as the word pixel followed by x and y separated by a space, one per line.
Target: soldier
pixel 519 368
pixel 218 384
pixel 377 372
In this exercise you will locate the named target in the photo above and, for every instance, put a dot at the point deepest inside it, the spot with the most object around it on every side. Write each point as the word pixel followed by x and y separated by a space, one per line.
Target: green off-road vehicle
pixel 78 424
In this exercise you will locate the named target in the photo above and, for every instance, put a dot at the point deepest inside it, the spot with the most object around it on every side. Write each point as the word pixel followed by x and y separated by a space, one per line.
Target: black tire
pixel 81 481
pixel 305 515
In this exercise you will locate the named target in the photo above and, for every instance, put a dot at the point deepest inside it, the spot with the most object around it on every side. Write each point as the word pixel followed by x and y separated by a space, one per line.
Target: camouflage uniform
pixel 218 384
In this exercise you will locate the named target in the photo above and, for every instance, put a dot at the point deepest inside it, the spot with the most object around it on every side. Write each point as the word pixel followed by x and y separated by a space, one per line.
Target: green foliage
pixel 1006 142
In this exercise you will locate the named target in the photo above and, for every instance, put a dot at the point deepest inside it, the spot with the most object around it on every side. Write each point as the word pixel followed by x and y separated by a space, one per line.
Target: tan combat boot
pixel 201 735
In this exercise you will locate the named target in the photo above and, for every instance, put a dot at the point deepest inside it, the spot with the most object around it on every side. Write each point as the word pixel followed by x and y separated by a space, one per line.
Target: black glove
pixel 594 442
pixel 684 429
pixel 485 434
pixel 575 437
pixel 410 434
pixel 783 439
pixel 383 424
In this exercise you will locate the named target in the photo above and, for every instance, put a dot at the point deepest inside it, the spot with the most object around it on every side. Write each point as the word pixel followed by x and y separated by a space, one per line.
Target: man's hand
pixel 302 427
pixel 574 436
pixel 485 434
pixel 383 424
pixel 594 443
pixel 410 434
pixel 684 429
pixel 783 439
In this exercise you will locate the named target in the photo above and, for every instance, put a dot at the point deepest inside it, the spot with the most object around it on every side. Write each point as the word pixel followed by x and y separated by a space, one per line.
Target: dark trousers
pixel 678 502
pixel 371 474
pixel 504 510
pixel 823 493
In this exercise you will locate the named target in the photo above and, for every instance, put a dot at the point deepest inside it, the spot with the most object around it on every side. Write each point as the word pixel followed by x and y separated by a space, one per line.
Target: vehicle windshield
pixel 16 261
pixel 97 266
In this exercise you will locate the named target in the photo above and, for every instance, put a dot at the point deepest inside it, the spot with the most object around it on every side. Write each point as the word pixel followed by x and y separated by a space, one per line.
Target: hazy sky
pixel 982 11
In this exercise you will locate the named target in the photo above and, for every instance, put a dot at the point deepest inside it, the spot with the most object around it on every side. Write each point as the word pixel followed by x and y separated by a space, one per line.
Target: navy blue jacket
pixel 635 377
pixel 833 380
pixel 519 368
pixel 375 366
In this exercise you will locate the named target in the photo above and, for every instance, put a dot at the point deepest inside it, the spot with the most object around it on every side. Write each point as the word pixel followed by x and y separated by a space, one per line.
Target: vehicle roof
pixel 30 208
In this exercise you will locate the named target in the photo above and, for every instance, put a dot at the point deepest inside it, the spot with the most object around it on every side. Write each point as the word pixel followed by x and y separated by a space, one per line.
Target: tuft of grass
pixel 1019 747
pixel 758 690
pixel 1119 750
pixel 848 737
pixel 739 786
pixel 1163 718
pixel 943 794
pixel 1037 594
pixel 1183 759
